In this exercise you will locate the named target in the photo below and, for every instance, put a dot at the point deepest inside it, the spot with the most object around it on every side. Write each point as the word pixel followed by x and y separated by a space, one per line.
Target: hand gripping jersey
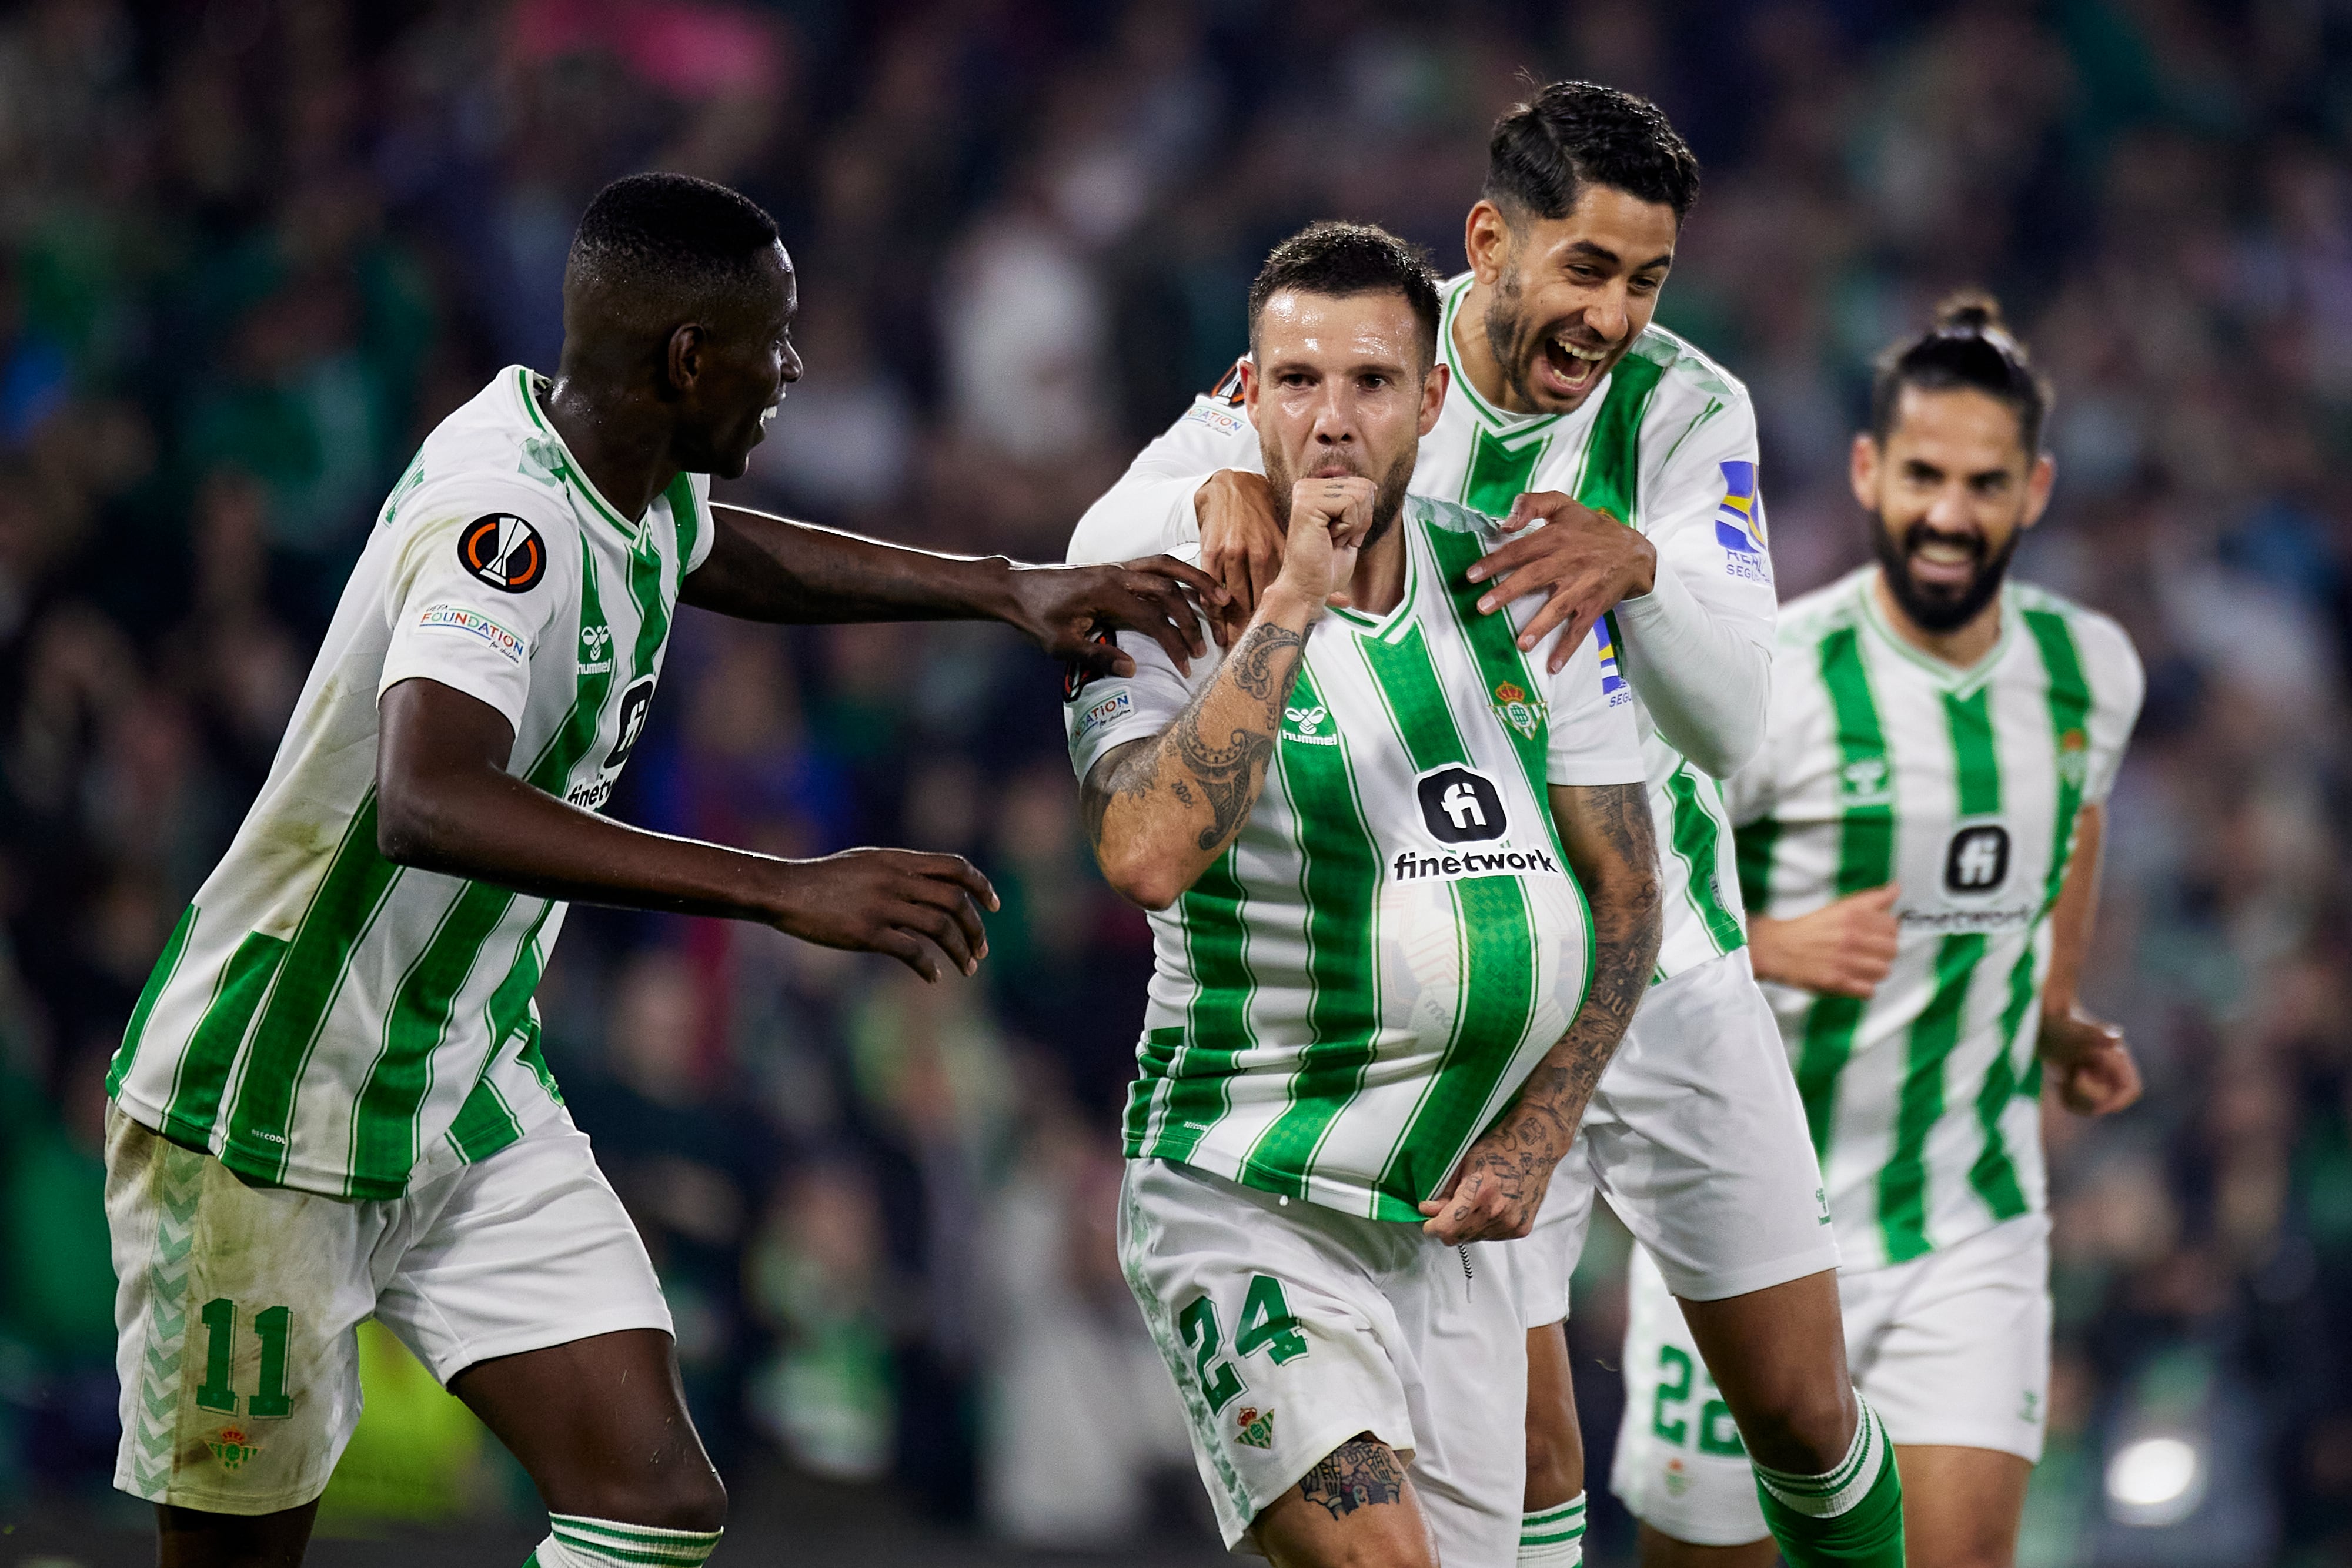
pixel 1884 765
pixel 1353 990
pixel 321 1018
pixel 1667 445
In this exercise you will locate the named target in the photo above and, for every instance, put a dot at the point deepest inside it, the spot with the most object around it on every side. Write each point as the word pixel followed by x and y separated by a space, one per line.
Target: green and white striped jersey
pixel 1882 764
pixel 1390 946
pixel 1667 445
pixel 321 1018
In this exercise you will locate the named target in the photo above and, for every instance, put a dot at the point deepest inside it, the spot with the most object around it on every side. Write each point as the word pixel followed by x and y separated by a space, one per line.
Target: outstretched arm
pixel 765 567
pixel 1159 812
pixel 1494 1195
pixel 445 802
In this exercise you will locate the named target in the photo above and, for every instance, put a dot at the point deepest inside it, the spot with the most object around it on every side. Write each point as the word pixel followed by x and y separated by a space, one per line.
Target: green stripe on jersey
pixel 1500 471
pixel 1155 1058
pixel 358 883
pixel 1696 840
pixel 2070 710
pixel 1754 846
pixel 1865 859
pixel 1903 1182
pixel 1217 1026
pixel 212 1048
pixel 167 964
pixel 1339 873
pixel 484 1125
pixel 1611 479
pixel 1976 760
pixel 1494 647
pixel 1994 1173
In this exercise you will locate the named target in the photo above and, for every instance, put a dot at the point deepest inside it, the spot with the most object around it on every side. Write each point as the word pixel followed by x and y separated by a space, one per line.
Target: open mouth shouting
pixel 1942 563
pixel 1567 371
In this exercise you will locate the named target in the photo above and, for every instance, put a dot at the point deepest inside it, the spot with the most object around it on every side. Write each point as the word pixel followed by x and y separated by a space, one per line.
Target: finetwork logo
pixel 1461 807
pixel 1411 867
pixel 1978 860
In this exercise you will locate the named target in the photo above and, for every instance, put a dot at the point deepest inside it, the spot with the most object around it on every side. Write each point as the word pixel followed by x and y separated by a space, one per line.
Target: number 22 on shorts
pixel 1266 1323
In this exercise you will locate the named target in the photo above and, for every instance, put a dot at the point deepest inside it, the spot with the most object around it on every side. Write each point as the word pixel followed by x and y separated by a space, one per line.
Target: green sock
pixel 1851 1517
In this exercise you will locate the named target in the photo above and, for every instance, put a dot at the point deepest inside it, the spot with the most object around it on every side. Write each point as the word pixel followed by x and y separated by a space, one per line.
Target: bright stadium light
pixel 2155 1481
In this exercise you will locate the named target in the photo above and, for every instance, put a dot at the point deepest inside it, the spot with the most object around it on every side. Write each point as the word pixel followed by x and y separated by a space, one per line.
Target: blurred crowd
pixel 252 250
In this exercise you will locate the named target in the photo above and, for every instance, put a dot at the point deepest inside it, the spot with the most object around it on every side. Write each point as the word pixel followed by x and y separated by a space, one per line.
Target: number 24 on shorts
pixel 1266 1324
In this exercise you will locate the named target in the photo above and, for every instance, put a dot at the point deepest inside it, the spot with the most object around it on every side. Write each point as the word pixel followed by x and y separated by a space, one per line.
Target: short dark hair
pixel 1968 346
pixel 1577 133
pixel 672 230
pixel 1340 260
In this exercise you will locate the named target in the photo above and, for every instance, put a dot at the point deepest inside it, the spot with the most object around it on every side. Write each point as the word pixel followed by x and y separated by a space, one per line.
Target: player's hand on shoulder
pixel 1328 520
pixel 1583 560
pixel 1841 949
pixel 2090 1066
pixel 1061 609
pixel 913 907
pixel 1241 543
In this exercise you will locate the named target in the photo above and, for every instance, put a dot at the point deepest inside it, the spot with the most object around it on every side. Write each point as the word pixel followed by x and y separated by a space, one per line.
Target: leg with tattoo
pixel 1354 1507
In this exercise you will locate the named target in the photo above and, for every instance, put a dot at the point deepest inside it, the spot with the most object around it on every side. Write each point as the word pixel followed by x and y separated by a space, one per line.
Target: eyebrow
pixel 1601 253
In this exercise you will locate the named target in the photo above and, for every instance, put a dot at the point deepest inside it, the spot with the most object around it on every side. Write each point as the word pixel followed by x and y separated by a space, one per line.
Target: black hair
pixel 1340 260
pixel 670 231
pixel 1572 134
pixel 1968 346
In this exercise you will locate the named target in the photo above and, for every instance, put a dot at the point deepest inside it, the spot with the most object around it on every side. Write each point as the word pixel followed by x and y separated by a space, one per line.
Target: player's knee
pixel 1805 1430
pixel 680 1499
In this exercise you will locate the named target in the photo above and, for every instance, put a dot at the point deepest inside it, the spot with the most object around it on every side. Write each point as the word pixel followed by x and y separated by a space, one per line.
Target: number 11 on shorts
pixel 272 1326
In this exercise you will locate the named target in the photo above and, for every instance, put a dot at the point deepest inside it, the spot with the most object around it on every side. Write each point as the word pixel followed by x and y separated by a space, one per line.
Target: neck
pixel 621 446
pixel 1961 647
pixel 1379 583
pixel 1473 354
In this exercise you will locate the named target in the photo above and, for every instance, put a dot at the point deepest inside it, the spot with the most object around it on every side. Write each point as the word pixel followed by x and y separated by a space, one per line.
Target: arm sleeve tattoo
pixel 1356 1474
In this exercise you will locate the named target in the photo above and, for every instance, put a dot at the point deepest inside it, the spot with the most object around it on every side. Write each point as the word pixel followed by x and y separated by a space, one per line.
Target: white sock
pixel 1553 1537
pixel 580 1543
pixel 1837 1490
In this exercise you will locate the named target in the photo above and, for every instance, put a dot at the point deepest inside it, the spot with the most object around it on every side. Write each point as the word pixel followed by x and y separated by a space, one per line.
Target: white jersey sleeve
pixel 2120 685
pixel 1150 508
pixel 705 538
pixel 1699 643
pixel 1592 736
pixel 1112 710
pixel 478 579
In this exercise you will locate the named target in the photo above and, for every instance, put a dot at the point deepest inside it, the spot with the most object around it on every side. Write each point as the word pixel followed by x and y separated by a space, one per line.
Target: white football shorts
pixel 238 1308
pixel 1290 1328
pixel 1952 1348
pixel 1697 1137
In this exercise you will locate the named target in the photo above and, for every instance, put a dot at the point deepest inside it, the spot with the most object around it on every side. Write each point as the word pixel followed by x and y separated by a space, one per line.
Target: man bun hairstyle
pixel 1340 260
pixel 1572 134
pixel 1968 346
pixel 670 231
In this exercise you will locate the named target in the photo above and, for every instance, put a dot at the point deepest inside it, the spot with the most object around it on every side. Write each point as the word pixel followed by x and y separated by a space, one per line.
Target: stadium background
pixel 250 252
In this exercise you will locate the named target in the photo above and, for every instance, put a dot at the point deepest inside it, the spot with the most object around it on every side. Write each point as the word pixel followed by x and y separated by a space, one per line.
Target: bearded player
pixel 1638 454
pixel 330 1104
pixel 1919 850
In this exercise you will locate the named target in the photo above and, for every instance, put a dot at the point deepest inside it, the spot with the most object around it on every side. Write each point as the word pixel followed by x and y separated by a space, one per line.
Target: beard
pixel 1388 502
pixel 1513 351
pixel 1938 610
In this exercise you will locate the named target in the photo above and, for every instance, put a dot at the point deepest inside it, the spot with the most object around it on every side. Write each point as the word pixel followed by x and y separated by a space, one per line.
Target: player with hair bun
pixel 1918 847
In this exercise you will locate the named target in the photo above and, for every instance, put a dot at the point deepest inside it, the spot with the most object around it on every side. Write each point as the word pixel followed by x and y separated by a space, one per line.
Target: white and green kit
pixel 1698 1143
pixel 355 1040
pixel 1962 787
pixel 1341 1004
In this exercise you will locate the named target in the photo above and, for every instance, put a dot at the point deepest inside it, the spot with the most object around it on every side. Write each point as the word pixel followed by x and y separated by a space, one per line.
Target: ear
pixel 1248 365
pixel 1433 395
pixel 1862 469
pixel 682 360
pixel 2037 480
pixel 1487 241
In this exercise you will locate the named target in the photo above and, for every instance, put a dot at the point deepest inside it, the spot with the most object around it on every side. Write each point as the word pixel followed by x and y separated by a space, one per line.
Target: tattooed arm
pixel 1159 811
pixel 1500 1184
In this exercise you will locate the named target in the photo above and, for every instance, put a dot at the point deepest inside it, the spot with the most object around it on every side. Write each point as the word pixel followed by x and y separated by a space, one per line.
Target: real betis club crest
pixel 1256 1428
pixel 231 1448
pixel 1514 707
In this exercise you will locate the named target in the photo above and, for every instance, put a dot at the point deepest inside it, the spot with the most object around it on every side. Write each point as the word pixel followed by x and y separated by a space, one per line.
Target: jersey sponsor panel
pixel 323 1018
pixel 1355 988
pixel 1667 446
pixel 1964 788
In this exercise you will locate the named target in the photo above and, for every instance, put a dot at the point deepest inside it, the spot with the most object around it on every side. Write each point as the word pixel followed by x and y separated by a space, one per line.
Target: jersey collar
pixel 1957 681
pixel 1385 627
pixel 527 382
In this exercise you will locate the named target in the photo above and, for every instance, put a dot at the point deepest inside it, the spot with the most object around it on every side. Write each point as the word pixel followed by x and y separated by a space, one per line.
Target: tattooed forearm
pixel 1357 1473
pixel 1614 847
pixel 1181 795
